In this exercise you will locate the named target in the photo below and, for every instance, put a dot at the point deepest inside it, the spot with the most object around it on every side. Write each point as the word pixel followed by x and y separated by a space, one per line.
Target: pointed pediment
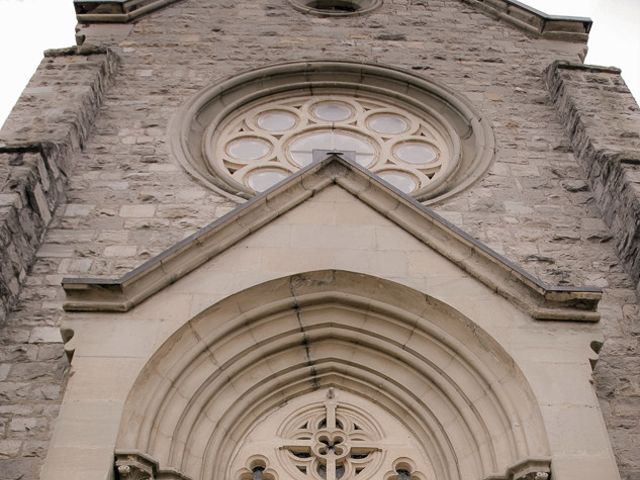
pixel 516 13
pixel 510 281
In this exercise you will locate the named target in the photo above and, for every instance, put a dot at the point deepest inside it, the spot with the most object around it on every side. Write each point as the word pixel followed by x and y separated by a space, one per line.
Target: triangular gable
pixel 516 13
pixel 499 274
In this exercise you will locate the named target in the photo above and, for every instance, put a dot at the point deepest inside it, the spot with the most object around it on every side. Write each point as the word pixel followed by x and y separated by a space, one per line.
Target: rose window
pixel 244 134
pixel 266 142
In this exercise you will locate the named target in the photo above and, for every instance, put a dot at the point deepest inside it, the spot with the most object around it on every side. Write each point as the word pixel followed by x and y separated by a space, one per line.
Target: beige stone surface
pixel 534 205
pixel 550 355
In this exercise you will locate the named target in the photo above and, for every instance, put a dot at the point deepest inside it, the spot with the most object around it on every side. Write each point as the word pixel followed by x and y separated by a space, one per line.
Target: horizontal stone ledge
pixel 77 50
pixel 109 11
pixel 586 67
pixel 26 147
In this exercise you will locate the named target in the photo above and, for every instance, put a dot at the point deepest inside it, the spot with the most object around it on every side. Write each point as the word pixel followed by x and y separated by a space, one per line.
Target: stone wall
pixel 127 199
pixel 602 120
pixel 47 127
pixel 588 98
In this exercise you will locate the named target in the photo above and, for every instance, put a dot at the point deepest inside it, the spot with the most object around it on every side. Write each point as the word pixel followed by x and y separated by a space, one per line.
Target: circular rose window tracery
pixel 248 133
pixel 266 141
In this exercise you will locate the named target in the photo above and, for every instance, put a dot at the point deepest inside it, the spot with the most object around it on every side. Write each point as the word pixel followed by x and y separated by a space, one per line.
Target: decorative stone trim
pixel 532 469
pixel 343 339
pixel 267 140
pixel 588 97
pixel 195 125
pixel 115 11
pixel 527 292
pixel 554 27
pixel 336 8
pixel 133 465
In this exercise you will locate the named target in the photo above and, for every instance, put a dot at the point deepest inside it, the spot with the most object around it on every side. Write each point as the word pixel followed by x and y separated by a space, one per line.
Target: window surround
pixel 315 7
pixel 205 112
pixel 281 134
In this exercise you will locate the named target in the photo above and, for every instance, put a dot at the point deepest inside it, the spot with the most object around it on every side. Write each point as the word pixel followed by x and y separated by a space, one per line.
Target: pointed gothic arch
pixel 454 389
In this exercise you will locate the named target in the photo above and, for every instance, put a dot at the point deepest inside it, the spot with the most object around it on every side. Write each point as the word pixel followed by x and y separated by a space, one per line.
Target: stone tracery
pixel 233 413
pixel 455 144
pixel 265 142
pixel 330 435
pixel 328 443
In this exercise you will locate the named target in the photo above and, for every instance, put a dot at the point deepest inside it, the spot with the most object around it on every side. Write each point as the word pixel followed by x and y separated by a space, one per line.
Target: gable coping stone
pixel 533 21
pixel 509 280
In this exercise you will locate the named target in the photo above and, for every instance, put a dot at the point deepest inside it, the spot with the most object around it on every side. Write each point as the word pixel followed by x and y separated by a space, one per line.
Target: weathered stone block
pixel 45 335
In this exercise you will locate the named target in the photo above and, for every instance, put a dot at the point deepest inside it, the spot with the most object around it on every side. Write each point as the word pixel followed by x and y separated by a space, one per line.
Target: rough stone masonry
pixel 88 188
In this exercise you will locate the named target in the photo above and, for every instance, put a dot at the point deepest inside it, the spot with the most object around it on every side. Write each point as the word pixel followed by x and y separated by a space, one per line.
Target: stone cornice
pixel 541 301
pixel 553 27
pixel 556 27
pixel 115 11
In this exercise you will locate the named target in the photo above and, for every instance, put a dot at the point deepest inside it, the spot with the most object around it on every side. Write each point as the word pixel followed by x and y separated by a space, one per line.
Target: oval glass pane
pixel 388 123
pixel 263 179
pixel 301 148
pixel 416 152
pixel 402 181
pixel 332 111
pixel 276 120
pixel 248 148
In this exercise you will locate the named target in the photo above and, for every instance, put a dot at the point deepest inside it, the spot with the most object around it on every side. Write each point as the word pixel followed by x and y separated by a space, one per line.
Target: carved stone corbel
pixel 532 470
pixel 535 476
pixel 133 465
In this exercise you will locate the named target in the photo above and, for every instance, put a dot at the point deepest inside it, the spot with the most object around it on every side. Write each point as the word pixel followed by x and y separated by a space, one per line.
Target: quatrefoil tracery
pixel 331 438
pixel 257 468
pixel 330 443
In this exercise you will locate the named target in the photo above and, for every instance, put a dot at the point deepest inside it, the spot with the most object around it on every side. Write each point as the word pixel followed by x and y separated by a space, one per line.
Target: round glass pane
pixel 416 152
pixel 276 120
pixel 263 179
pixel 388 123
pixel 301 148
pixel 332 111
pixel 248 148
pixel 402 181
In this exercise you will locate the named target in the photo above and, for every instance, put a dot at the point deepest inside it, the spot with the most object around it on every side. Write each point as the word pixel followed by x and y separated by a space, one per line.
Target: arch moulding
pixel 352 342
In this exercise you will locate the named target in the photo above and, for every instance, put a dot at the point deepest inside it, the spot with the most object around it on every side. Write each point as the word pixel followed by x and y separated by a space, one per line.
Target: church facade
pixel 320 240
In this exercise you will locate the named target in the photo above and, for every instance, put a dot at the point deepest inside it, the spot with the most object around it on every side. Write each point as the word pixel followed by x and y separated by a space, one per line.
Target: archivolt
pixel 446 380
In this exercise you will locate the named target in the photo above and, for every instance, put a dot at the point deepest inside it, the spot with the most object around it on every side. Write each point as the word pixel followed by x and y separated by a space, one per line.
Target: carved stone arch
pixel 454 389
